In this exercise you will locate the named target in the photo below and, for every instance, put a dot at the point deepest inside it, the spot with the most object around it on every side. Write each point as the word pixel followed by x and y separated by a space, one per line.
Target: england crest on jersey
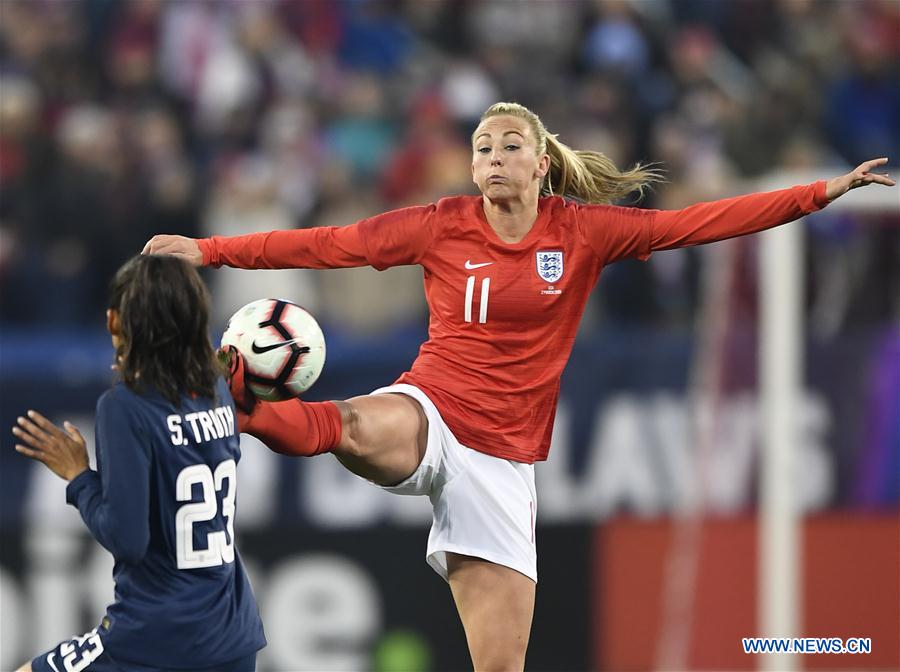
pixel 550 265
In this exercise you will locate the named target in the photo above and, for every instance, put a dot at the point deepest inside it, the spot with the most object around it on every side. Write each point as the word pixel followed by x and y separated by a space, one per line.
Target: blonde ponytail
pixel 590 177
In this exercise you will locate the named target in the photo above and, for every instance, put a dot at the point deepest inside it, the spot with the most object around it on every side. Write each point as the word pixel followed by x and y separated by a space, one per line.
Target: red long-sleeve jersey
pixel 504 315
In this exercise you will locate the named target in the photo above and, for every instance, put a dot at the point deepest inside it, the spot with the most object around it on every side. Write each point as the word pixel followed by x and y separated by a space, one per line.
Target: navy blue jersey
pixel 162 501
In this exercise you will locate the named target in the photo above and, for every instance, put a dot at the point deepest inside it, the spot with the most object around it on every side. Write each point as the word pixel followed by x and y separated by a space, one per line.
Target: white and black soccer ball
pixel 282 345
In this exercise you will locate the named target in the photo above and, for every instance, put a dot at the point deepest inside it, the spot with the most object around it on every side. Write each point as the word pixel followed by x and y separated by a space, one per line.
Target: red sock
pixel 290 427
pixel 294 427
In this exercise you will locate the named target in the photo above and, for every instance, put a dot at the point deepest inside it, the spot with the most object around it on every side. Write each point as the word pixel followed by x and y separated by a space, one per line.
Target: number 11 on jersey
pixel 483 304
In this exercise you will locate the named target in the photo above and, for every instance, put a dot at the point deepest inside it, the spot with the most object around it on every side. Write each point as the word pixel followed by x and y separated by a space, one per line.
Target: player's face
pixel 505 163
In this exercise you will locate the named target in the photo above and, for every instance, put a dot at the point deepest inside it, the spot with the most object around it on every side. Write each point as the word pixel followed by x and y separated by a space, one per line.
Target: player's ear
pixel 113 325
pixel 543 166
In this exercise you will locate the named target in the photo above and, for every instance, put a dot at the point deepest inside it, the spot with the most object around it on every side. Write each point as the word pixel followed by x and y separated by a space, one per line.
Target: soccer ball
pixel 282 345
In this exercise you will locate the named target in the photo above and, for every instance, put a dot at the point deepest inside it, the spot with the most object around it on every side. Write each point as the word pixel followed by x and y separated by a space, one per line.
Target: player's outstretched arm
pixel 64 452
pixel 396 238
pixel 176 246
pixel 620 232
pixel 861 176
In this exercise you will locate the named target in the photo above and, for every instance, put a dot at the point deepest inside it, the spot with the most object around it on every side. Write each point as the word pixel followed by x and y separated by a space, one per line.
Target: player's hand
pixel 64 452
pixel 175 246
pixel 859 177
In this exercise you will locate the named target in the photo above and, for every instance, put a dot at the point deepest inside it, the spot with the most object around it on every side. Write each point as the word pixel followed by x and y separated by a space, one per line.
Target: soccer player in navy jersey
pixel 162 499
pixel 507 277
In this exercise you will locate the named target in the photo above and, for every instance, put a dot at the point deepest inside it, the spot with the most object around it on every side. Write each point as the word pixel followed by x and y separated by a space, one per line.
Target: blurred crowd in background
pixel 124 118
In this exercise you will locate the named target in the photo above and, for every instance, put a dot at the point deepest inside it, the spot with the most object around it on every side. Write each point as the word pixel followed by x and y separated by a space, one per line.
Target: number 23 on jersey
pixel 219 545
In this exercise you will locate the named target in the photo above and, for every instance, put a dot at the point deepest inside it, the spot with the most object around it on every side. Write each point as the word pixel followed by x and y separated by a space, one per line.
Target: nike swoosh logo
pixel 470 266
pixel 260 349
pixel 52 656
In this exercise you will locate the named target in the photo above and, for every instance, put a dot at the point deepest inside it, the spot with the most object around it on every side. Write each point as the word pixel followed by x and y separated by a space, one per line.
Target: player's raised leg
pixel 383 437
pixel 496 605
pixel 25 668
pixel 379 437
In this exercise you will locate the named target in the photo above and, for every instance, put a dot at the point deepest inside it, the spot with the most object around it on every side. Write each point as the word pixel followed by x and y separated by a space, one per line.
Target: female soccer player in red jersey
pixel 507 276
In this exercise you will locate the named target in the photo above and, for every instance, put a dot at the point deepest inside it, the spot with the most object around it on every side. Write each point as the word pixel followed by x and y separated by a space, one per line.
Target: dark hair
pixel 163 309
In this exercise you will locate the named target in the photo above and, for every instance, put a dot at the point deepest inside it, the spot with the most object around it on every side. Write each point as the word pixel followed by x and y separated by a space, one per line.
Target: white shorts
pixel 484 506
